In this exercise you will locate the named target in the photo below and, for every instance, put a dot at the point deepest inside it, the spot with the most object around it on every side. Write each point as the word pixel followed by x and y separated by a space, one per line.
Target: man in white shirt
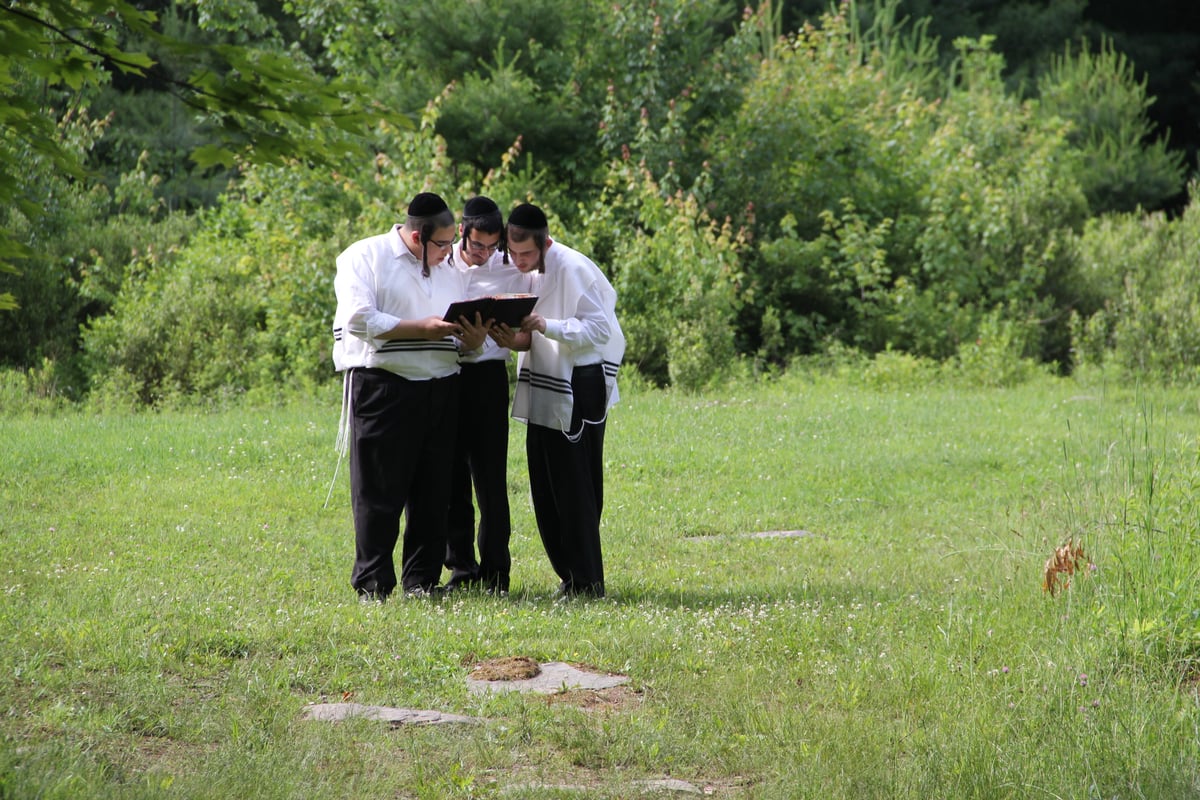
pixel 401 393
pixel 481 455
pixel 572 346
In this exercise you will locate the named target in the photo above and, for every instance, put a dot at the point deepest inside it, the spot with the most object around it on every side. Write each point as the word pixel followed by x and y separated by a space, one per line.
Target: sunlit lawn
pixel 175 592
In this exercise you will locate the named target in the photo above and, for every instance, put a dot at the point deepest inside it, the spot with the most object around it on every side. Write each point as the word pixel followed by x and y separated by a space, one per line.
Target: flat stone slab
pixel 671 785
pixel 668 785
pixel 337 712
pixel 796 534
pixel 800 534
pixel 553 677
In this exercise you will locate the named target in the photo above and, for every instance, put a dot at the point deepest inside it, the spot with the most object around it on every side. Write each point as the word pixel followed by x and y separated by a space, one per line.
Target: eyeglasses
pixel 443 242
pixel 480 247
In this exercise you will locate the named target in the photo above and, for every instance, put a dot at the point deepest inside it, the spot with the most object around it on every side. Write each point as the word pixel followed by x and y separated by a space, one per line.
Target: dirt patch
pixel 617 698
pixel 507 668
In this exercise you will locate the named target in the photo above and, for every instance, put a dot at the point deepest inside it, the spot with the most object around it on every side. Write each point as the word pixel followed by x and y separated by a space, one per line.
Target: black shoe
pixel 568 591
pixel 494 584
pixel 370 593
pixel 426 592
pixel 462 574
pixel 463 583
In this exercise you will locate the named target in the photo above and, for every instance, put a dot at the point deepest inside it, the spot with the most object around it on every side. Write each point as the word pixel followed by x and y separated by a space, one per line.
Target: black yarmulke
pixel 528 216
pixel 426 204
pixel 478 206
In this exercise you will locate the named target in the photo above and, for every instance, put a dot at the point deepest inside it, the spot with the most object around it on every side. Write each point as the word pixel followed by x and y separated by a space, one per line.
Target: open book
pixel 509 309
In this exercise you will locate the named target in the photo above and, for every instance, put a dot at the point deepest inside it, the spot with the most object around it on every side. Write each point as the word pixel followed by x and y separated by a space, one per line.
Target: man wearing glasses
pixel 401 393
pixel 481 454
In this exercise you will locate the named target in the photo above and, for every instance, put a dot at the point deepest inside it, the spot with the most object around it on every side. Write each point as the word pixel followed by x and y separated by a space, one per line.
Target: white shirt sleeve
pixel 354 285
pixel 589 325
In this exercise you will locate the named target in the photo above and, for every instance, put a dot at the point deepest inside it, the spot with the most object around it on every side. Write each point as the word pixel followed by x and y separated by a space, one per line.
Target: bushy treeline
pixel 755 195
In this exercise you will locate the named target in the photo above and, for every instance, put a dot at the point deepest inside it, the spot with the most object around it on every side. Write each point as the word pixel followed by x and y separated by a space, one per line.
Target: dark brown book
pixel 509 309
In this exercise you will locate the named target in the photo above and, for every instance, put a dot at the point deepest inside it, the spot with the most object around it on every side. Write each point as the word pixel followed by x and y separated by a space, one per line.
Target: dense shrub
pixel 79 247
pixel 1150 324
pixel 998 207
pixel 819 122
pixel 752 195
pixel 675 272
pixel 192 326
pixel 887 220
pixel 248 305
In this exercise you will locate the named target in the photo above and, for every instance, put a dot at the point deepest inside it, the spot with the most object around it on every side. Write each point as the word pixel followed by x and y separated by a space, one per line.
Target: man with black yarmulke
pixel 571 348
pixel 481 454
pixel 401 392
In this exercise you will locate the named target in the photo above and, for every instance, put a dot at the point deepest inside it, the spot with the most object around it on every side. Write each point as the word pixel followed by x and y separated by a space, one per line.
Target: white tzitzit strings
pixel 343 433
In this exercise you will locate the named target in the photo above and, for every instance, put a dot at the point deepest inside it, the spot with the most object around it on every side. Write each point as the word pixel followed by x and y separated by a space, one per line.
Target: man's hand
pixel 471 334
pixel 434 328
pixel 506 337
pixel 534 322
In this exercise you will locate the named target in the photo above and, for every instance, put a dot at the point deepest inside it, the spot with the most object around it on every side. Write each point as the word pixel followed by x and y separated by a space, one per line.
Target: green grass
pixel 174 593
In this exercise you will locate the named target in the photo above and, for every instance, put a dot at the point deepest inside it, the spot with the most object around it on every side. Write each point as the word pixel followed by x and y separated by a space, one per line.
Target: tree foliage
pixel 756 193
pixel 1124 166
pixel 262 103
pixel 249 298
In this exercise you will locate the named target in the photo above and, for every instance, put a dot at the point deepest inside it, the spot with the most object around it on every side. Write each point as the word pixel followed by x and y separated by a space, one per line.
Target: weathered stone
pixel 799 534
pixel 671 785
pixel 336 712
pixel 794 534
pixel 554 677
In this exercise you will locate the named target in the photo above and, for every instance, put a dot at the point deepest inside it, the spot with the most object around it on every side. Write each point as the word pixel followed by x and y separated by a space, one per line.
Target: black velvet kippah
pixel 426 204
pixel 478 206
pixel 528 216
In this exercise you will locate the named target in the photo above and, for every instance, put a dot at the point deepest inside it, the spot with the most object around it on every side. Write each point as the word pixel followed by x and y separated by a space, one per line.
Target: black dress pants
pixel 566 480
pixel 481 460
pixel 402 443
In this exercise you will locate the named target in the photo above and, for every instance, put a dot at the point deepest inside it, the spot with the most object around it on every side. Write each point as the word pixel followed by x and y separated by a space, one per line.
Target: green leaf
pixel 211 155
pixel 132 63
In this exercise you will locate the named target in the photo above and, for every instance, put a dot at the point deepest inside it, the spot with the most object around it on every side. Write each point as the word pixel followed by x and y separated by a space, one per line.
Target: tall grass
pixel 174 593
pixel 1140 507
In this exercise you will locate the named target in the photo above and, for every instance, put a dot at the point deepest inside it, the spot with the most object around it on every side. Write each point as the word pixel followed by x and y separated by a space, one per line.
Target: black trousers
pixel 566 480
pixel 402 445
pixel 481 460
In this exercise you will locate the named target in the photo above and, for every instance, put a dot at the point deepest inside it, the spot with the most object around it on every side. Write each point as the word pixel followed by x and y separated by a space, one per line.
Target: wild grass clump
pixel 1140 512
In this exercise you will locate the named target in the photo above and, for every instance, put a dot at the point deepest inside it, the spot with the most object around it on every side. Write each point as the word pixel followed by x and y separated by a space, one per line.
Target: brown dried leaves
pixel 1060 566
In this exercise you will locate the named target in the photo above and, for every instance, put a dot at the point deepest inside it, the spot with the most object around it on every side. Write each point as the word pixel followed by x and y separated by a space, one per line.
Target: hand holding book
pixel 507 309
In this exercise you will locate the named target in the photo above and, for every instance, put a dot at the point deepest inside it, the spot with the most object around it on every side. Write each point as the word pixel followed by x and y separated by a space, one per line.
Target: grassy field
pixel 174 593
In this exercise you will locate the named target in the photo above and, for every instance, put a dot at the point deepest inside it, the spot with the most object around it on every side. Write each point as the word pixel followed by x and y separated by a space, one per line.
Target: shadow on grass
pixel 692 598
